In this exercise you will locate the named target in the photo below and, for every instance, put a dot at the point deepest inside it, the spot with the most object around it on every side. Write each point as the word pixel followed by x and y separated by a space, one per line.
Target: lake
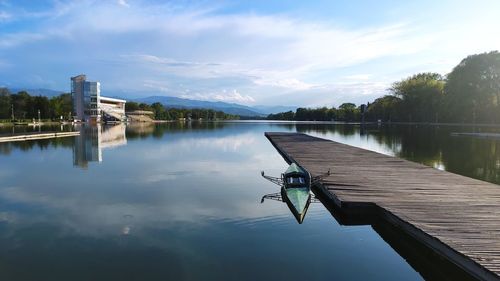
pixel 182 201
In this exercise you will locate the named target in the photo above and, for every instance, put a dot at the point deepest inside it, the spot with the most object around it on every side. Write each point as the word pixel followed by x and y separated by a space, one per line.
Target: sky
pixel 302 53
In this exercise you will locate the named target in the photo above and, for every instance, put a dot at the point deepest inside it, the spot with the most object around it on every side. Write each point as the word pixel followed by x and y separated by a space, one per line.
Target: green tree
pixel 332 114
pixel 145 106
pixel 289 115
pixel 386 108
pixel 5 103
pixel 131 106
pixel 66 105
pixel 159 110
pixel 40 104
pixel 167 115
pixel 348 112
pixel 23 105
pixel 302 114
pixel 421 96
pixel 472 92
pixel 61 106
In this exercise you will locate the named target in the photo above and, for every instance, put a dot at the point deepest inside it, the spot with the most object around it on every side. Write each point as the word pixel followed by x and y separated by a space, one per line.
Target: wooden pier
pixel 456 216
pixel 35 136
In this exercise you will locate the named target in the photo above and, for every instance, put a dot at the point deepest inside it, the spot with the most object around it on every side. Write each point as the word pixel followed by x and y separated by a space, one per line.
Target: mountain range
pixel 168 101
pixel 230 108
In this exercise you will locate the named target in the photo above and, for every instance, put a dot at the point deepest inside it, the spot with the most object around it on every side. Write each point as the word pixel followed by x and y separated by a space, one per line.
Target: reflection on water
pixel 280 197
pixel 181 201
pixel 87 147
pixel 430 145
pixel 426 262
pixel 92 140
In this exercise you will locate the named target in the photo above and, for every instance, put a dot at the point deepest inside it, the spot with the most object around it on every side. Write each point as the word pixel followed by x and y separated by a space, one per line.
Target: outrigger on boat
pixel 295 185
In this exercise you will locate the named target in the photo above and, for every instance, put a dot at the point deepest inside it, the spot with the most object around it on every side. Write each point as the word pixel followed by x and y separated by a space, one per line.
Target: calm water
pixel 182 202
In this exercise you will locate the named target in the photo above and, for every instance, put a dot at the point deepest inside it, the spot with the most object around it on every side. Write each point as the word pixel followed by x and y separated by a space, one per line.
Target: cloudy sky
pixel 311 53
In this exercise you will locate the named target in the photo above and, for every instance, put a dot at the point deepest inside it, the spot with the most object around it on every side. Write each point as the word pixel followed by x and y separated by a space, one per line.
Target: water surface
pixel 182 202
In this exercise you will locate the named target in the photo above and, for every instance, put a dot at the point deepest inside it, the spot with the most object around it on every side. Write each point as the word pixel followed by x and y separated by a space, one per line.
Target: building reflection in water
pixel 92 140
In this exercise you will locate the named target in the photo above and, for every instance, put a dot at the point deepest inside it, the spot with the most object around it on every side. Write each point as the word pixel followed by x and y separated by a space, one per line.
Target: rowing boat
pixel 295 185
pixel 296 190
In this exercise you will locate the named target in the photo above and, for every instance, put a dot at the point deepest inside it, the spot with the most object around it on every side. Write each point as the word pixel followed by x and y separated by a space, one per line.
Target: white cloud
pixel 334 94
pixel 288 83
pixel 4 16
pixel 234 96
pixel 123 3
pixel 287 42
pixel 179 67
pixel 358 77
pixel 265 56
pixel 12 40
pixel 225 96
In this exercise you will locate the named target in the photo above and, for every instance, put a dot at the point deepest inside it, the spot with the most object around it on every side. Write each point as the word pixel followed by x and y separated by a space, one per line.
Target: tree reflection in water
pixel 427 144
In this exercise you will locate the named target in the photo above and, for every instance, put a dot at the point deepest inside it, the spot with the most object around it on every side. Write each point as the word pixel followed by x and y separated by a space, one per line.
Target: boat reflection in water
pixel 92 140
pixel 282 197
pixel 295 185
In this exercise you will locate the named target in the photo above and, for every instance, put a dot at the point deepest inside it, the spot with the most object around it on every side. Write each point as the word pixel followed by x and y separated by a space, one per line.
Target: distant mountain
pixel 230 108
pixel 37 92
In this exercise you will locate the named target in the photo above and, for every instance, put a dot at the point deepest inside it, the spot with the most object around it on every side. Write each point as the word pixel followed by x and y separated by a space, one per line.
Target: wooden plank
pixel 35 136
pixel 457 216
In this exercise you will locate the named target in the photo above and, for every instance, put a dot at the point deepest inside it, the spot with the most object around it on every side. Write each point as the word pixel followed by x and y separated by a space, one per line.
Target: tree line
pixel 470 93
pixel 347 112
pixel 23 106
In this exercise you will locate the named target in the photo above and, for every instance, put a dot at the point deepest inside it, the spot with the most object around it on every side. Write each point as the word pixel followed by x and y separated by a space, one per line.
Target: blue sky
pixel 307 53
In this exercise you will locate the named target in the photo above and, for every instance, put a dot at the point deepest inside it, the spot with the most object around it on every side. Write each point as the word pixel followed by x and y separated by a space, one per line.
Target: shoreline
pixel 53 123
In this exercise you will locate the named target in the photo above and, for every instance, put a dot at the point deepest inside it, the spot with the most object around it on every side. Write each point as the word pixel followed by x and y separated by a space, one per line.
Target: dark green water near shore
pixel 182 202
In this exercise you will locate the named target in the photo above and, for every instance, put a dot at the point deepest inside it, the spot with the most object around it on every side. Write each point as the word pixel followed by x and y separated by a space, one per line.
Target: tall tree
pixel 61 106
pixel 131 106
pixel 472 92
pixel 159 110
pixel 386 108
pixel 40 104
pixel 421 96
pixel 23 105
pixel 348 112
pixel 5 103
